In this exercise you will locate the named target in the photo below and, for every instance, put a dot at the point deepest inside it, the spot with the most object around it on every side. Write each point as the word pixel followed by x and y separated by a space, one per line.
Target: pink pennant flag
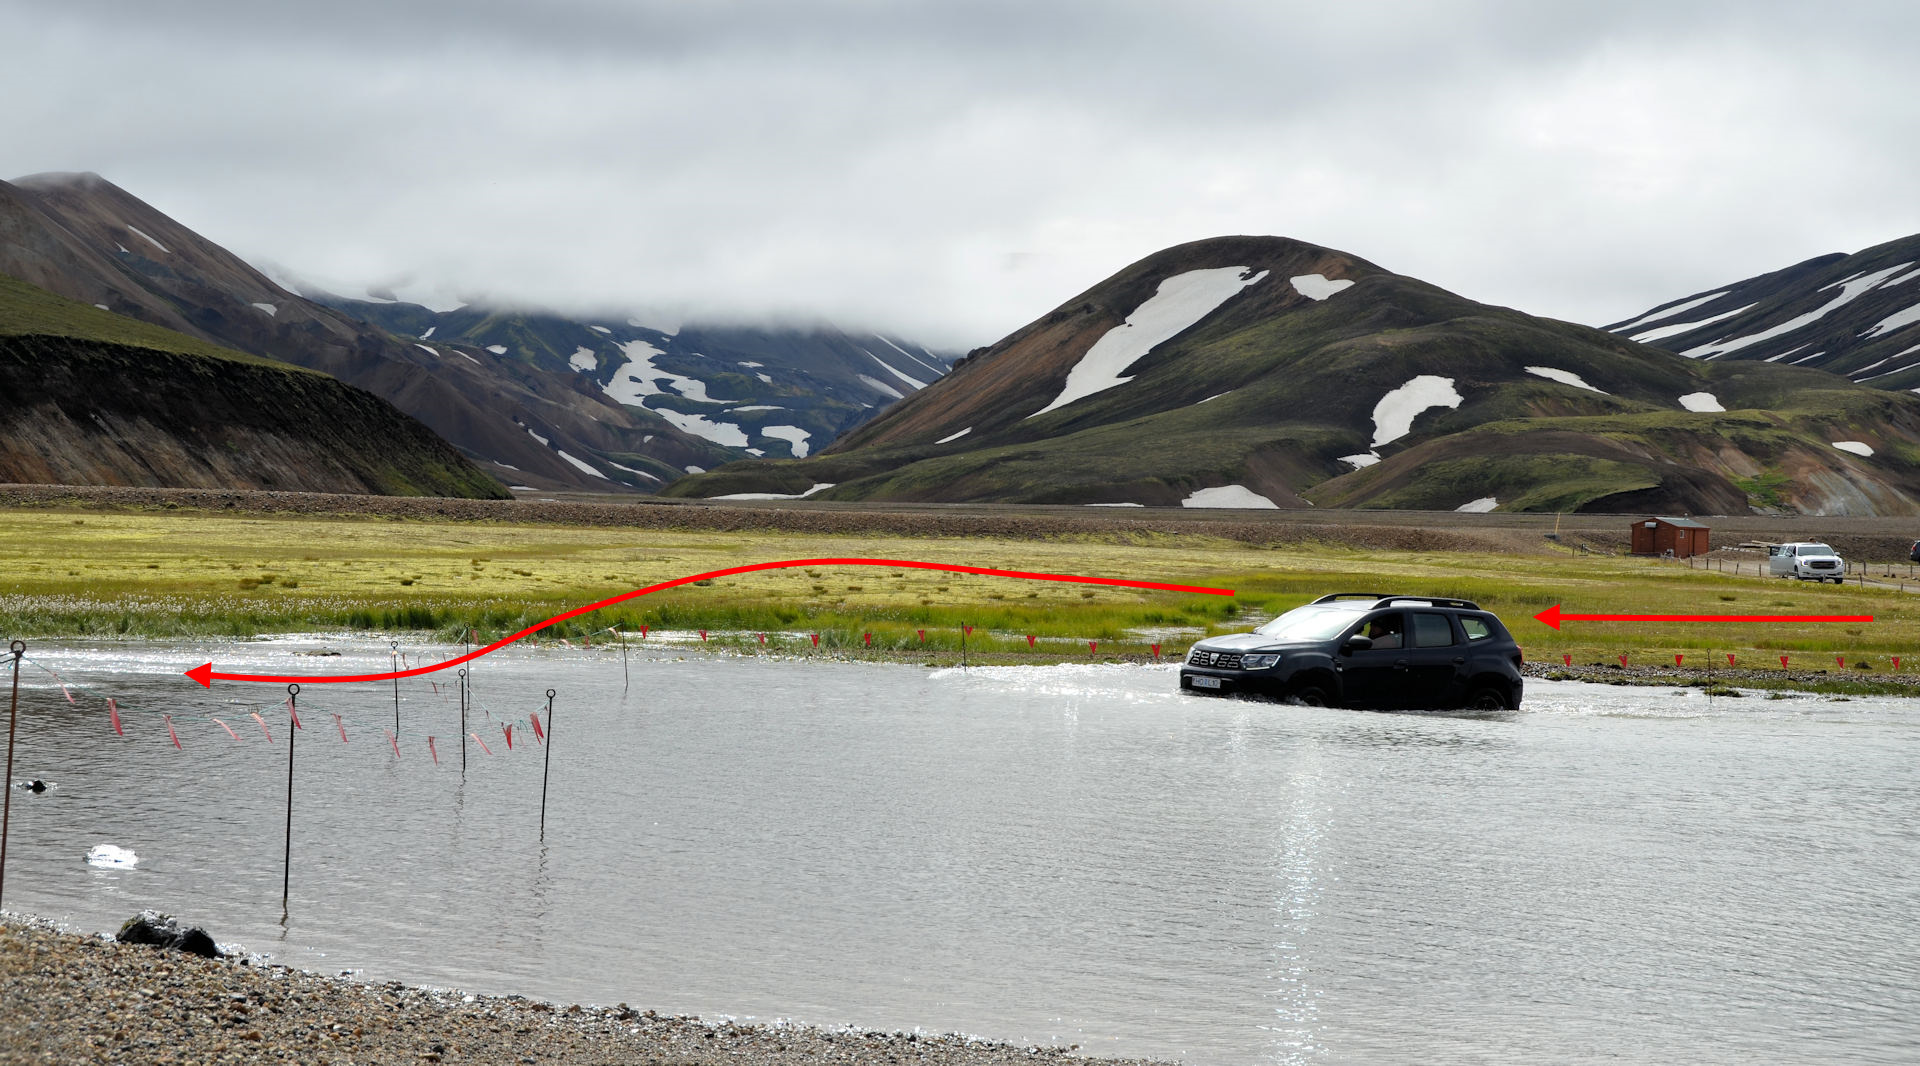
pixel 295 712
pixel 482 743
pixel 538 733
pixel 393 740
pixel 170 733
pixel 263 727
pixel 229 729
pixel 342 726
pixel 430 751
pixel 509 732
pixel 113 712
pixel 69 695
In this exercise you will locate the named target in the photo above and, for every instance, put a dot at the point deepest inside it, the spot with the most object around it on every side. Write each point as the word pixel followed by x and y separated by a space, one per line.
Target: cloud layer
pixel 950 170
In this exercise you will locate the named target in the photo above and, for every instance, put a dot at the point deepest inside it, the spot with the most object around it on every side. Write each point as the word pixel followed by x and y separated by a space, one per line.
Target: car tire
pixel 1309 696
pixel 1487 698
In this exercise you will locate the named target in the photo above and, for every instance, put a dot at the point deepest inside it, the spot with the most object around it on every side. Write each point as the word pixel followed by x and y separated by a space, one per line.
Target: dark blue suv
pixel 1370 650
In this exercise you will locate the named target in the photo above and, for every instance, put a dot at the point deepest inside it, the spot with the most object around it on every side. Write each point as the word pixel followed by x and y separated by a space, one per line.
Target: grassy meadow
pixel 134 573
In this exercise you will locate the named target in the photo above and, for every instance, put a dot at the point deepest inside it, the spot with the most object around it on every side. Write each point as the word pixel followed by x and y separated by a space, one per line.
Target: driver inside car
pixel 1385 632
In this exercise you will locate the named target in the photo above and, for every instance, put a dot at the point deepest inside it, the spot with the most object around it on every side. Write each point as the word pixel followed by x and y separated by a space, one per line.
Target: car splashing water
pixel 1069 854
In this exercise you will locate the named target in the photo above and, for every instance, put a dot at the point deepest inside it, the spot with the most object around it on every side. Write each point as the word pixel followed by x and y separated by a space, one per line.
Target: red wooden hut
pixel 1678 537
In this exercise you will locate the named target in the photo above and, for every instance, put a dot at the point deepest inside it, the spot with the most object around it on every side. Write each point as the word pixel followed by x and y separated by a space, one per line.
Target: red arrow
pixel 1552 616
pixel 206 675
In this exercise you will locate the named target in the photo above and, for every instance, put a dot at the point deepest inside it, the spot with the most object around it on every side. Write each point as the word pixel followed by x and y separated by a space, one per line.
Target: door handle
pixel 1399 664
pixel 1459 659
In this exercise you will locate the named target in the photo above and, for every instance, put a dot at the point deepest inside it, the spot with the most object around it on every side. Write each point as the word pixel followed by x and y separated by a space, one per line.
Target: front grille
pixel 1822 564
pixel 1226 660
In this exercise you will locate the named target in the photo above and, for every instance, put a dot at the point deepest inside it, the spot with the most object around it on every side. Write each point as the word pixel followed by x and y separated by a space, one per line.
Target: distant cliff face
pixel 87 412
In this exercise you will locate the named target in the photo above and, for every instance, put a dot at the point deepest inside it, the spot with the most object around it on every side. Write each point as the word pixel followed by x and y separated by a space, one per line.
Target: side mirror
pixel 1357 642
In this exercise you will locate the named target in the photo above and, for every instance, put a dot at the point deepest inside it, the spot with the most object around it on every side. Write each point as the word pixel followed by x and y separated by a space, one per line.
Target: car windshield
pixel 1311 622
pixel 1816 549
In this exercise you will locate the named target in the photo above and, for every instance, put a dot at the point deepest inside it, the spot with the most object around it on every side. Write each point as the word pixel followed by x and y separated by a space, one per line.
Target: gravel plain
pixel 67 997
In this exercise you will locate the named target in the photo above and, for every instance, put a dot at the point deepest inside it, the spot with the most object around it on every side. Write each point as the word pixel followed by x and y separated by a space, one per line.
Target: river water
pixel 1074 854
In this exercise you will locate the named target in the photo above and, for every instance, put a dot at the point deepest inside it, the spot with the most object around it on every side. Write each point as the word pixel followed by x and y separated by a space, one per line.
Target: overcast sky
pixel 952 170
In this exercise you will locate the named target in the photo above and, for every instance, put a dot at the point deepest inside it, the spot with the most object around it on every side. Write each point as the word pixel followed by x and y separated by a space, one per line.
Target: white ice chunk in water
pixel 113 856
pixel 1856 447
pixel 1701 401
pixel 1229 496
pixel 1176 306
pixel 1318 286
pixel 1393 416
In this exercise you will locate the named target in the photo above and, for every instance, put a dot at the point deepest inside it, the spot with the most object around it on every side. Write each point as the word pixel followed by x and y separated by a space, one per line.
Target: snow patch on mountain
pixel 268 308
pixel 1479 506
pixel 1664 332
pixel 1859 448
pixel 1229 496
pixel 1177 305
pixel 631 470
pixel 1895 321
pixel 428 335
pixel 936 370
pixel 583 359
pixel 755 407
pixel 582 467
pixel 1564 377
pixel 1361 461
pixel 818 486
pixel 1668 312
pixel 1850 290
pixel 1393 416
pixel 1317 286
pixel 535 436
pixel 880 386
pixel 793 435
pixel 1701 401
pixel 428 350
pixel 148 239
pixel 497 349
pixel 916 384
pixel 950 438
pixel 601 329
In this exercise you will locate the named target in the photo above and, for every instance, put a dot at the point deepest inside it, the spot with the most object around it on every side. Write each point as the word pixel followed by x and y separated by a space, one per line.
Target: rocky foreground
pixel 71 998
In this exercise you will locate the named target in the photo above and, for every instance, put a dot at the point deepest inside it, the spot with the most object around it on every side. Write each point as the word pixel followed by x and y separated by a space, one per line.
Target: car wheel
pixel 1310 696
pixel 1487 698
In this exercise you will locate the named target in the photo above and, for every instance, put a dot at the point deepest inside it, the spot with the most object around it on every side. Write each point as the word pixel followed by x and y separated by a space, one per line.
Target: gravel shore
pixel 72 998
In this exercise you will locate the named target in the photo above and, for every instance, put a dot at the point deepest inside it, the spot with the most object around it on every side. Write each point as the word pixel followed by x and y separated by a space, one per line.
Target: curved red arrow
pixel 1552 616
pixel 206 675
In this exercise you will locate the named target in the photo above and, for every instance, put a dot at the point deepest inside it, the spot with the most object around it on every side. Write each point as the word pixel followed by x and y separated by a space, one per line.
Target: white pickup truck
pixel 1806 560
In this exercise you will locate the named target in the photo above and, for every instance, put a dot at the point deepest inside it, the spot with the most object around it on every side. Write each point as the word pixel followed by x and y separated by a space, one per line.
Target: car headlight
pixel 1257 662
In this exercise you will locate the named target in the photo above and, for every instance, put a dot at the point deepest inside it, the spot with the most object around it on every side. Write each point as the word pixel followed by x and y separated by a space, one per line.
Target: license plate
pixel 1206 682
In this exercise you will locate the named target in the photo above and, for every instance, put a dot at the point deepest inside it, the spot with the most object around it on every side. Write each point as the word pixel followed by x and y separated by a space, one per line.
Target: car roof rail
pixel 1332 596
pixel 1429 601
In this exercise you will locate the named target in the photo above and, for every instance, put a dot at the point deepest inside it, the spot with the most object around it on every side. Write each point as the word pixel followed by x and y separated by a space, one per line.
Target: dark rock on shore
pixel 162 931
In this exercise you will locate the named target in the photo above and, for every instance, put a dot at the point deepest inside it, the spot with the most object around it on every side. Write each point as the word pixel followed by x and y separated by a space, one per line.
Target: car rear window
pixel 1477 628
pixel 1431 630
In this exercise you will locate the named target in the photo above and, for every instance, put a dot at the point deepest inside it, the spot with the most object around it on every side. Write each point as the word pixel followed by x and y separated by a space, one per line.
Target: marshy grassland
pixel 93 572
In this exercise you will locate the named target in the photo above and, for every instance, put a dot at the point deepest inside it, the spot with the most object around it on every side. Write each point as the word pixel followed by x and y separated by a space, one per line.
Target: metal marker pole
pixel 19 649
pixel 626 679
pixel 286 862
pixel 395 654
pixel 463 719
pixel 546 767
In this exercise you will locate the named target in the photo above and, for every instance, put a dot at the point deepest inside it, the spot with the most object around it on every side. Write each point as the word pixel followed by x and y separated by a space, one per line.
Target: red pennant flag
pixel 1729 658
pixel 229 729
pixel 538 733
pixel 969 630
pixel 1092 647
pixel 1029 640
pixel 430 751
pixel 1896 662
pixel 69 695
pixel 1623 661
pixel 703 634
pixel 113 712
pixel 816 639
pixel 393 740
pixel 1677 658
pixel 342 726
pixel 923 635
pixel 869 640
pixel 263 727
pixel 1566 658
pixel 1156 651
pixel 295 712
pixel 763 638
pixel 1839 660
pixel 643 632
pixel 482 743
pixel 170 733
pixel 1783 662
pixel 509 732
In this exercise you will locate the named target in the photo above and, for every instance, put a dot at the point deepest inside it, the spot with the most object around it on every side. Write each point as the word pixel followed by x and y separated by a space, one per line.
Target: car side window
pixel 1386 630
pixel 1477 628
pixel 1431 630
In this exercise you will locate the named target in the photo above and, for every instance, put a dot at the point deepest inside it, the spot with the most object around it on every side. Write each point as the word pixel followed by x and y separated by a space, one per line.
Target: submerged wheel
pixel 1487 698
pixel 1310 696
